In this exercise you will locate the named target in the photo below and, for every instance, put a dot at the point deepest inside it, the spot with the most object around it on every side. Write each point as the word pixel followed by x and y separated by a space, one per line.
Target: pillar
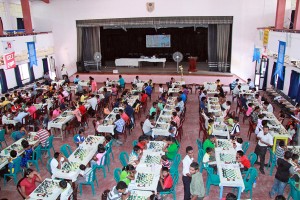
pixel 280 11
pixel 26 16
pixel 1 27
pixel 297 16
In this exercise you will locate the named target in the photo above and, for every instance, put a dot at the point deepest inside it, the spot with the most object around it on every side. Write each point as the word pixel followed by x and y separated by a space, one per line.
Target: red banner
pixel 9 60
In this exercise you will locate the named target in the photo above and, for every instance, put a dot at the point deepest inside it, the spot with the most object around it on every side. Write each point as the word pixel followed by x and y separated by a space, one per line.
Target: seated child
pixel 99 158
pixel 80 138
pixel 280 149
pixel 165 182
pixel 165 162
pixel 241 158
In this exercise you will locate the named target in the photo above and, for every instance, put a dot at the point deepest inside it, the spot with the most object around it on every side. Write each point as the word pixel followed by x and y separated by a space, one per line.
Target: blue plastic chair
pixel 173 188
pixel 36 156
pixel 134 143
pixel 109 149
pixel 66 150
pixel 252 158
pixel 249 179
pixel 117 173
pixel 17 169
pixel 49 166
pixel 175 164
pixel 199 144
pixel 2 137
pixel 245 147
pixel 272 161
pixel 124 158
pixel 212 179
pixel 294 191
pixel 200 159
pixel 13 135
pixel 102 164
pixel 91 180
pixel 49 146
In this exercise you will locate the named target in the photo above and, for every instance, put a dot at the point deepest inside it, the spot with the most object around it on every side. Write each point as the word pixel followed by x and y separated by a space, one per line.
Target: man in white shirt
pixel 268 106
pixel 236 91
pixel 186 176
pixel 265 140
pixel 20 116
pixel 203 94
pixel 136 80
pixel 56 163
pixel 147 126
pixel 250 83
pixel 92 101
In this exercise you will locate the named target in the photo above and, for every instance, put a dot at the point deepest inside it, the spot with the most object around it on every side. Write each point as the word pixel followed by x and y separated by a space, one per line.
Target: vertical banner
pixel 31 53
pixel 9 54
pixel 256 55
pixel 266 37
pixel 280 60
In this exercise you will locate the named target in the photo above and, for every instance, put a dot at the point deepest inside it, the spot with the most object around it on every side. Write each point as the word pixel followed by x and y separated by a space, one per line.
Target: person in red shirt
pixel 241 158
pixel 165 182
pixel 28 182
pixel 82 108
pixel 143 141
pixel 144 97
pixel 16 107
pixel 124 116
pixel 31 110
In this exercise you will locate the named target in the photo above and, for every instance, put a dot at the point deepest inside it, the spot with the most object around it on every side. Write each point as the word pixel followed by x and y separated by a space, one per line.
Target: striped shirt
pixel 114 194
pixel 43 135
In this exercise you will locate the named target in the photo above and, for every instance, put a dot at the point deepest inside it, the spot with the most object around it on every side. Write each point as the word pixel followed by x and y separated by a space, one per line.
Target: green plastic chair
pixel 272 161
pixel 199 144
pixel 117 173
pixel 200 159
pixel 48 166
pixel 109 149
pixel 66 150
pixel 124 158
pixel 173 188
pixel 294 192
pixel 91 180
pixel 245 147
pixel 212 179
pixel 36 156
pixel 50 146
pixel 17 169
pixel 176 161
pixel 102 166
pixel 74 139
pixel 13 135
pixel 252 158
pixel 134 142
pixel 2 137
pixel 249 179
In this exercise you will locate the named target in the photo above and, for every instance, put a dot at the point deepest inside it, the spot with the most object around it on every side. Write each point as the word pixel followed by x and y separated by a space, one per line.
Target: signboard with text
pixel 9 60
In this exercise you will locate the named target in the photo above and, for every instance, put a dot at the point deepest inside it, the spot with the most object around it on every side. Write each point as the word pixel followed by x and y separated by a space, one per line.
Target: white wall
pixel 60 16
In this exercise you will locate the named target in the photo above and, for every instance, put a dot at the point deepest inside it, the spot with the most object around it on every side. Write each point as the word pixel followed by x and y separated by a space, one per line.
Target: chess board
pixel 3 159
pixel 80 153
pixel 16 147
pixel 224 144
pixel 70 166
pixel 46 188
pixel 152 159
pixel 295 150
pixel 91 139
pixel 144 179
pixel 161 126
pixel 227 158
pixel 157 146
pixel 230 174
pixel 136 197
pixel 220 127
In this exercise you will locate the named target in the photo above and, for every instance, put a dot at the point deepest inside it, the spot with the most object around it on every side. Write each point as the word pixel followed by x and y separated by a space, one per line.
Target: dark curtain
pixel 31 74
pixel 272 82
pixel 18 77
pixel 90 42
pixel 294 84
pixel 45 65
pixel 280 82
pixel 212 44
pixel 3 81
pixel 264 86
pixel 292 19
pixel 298 95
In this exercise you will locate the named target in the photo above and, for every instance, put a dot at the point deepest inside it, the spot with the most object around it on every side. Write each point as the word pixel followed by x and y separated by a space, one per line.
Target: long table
pixel 49 189
pixel 60 122
pixel 135 62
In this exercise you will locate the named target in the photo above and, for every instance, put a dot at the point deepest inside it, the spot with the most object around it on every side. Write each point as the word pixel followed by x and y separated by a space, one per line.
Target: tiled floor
pixel 190 127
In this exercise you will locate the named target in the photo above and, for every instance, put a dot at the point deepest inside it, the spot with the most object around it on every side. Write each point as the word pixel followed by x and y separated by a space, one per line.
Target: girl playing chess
pixel 28 182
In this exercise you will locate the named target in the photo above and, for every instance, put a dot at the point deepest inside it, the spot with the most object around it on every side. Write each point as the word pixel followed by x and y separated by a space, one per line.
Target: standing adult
pixel 197 184
pixel 186 176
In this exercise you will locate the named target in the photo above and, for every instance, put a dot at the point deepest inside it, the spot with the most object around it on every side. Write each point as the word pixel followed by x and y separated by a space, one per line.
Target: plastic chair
pixel 2 138
pixel 245 147
pixel 13 135
pixel 249 179
pixel 117 173
pixel 200 159
pixel 91 180
pixel 175 164
pixel 294 192
pixel 50 146
pixel 36 156
pixel 17 169
pixel 173 188
pixel 252 157
pixel 134 143
pixel 48 166
pixel 66 150
pixel 109 149
pixel 199 143
pixel 124 158
pixel 103 164
pixel 212 179
pixel 272 161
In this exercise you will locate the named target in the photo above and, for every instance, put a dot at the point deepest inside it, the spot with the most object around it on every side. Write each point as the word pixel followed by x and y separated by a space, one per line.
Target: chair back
pixel 124 158
pixel 92 176
pixel 250 177
pixel 48 166
pixel 2 133
pixel 13 135
pixel 245 146
pixel 175 181
pixel 200 156
pixel 212 178
pixel 134 143
pixel 117 173
pixel 37 153
pixel 252 158
pixel 273 158
pixel 17 165
pixel 199 144
pixel 50 141
pixel 294 192
pixel 176 161
pixel 66 150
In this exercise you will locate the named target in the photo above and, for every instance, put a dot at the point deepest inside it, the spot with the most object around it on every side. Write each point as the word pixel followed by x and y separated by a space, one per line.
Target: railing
pixel 279 30
pixel 21 32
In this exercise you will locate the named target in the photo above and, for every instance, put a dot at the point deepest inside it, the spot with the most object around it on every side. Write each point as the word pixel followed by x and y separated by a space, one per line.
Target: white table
pixel 108 123
pixel 51 192
pixel 178 84
pixel 84 83
pixel 220 129
pixel 139 194
pixel 173 90
pixel 60 121
pixel 244 86
pixel 102 89
pixel 210 86
pixel 156 156
pixel 10 121
pixel 156 146
pixel 59 83
pixel 135 62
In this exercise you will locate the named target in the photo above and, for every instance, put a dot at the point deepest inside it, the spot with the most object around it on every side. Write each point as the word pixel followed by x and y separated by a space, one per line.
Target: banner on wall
pixel 266 37
pixel 8 47
pixel 9 60
pixel 31 53
pixel 280 60
pixel 256 55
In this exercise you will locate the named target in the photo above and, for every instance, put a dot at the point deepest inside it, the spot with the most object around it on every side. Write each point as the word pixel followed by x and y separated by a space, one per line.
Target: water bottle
pixel 254 184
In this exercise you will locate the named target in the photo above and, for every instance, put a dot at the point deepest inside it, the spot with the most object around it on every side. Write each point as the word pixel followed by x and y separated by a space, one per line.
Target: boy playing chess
pixel 165 182
pixel 165 162
pixel 208 157
pixel 119 192
pixel 85 173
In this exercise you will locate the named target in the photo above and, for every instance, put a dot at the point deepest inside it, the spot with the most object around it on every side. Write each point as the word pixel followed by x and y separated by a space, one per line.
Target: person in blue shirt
pixel 76 79
pixel 128 109
pixel 234 84
pixel 19 133
pixel 183 96
pixel 202 104
pixel 80 138
pixel 121 81
pixel 148 89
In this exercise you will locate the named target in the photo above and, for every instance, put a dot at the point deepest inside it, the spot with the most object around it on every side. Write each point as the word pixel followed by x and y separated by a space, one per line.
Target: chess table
pixel 108 123
pixel 139 195
pixel 156 146
pixel 210 86
pixel 60 122
pixel 149 157
pixel 48 190
pixel 173 90
pixel 178 84
pixel 221 129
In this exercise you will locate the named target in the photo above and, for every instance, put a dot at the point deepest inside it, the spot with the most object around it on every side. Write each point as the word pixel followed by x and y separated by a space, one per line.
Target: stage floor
pixel 157 68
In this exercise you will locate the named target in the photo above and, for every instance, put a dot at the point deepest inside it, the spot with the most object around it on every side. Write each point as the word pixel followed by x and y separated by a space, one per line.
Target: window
pixel 24 72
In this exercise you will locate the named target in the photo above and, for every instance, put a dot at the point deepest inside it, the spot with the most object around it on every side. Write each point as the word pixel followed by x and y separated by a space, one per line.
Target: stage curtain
pixel 31 74
pixel 272 81
pixel 18 77
pixel 264 87
pixel 79 44
pixel 294 84
pixel 90 42
pixel 3 81
pixel 298 95
pixel 212 44
pixel 280 82
pixel 223 33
